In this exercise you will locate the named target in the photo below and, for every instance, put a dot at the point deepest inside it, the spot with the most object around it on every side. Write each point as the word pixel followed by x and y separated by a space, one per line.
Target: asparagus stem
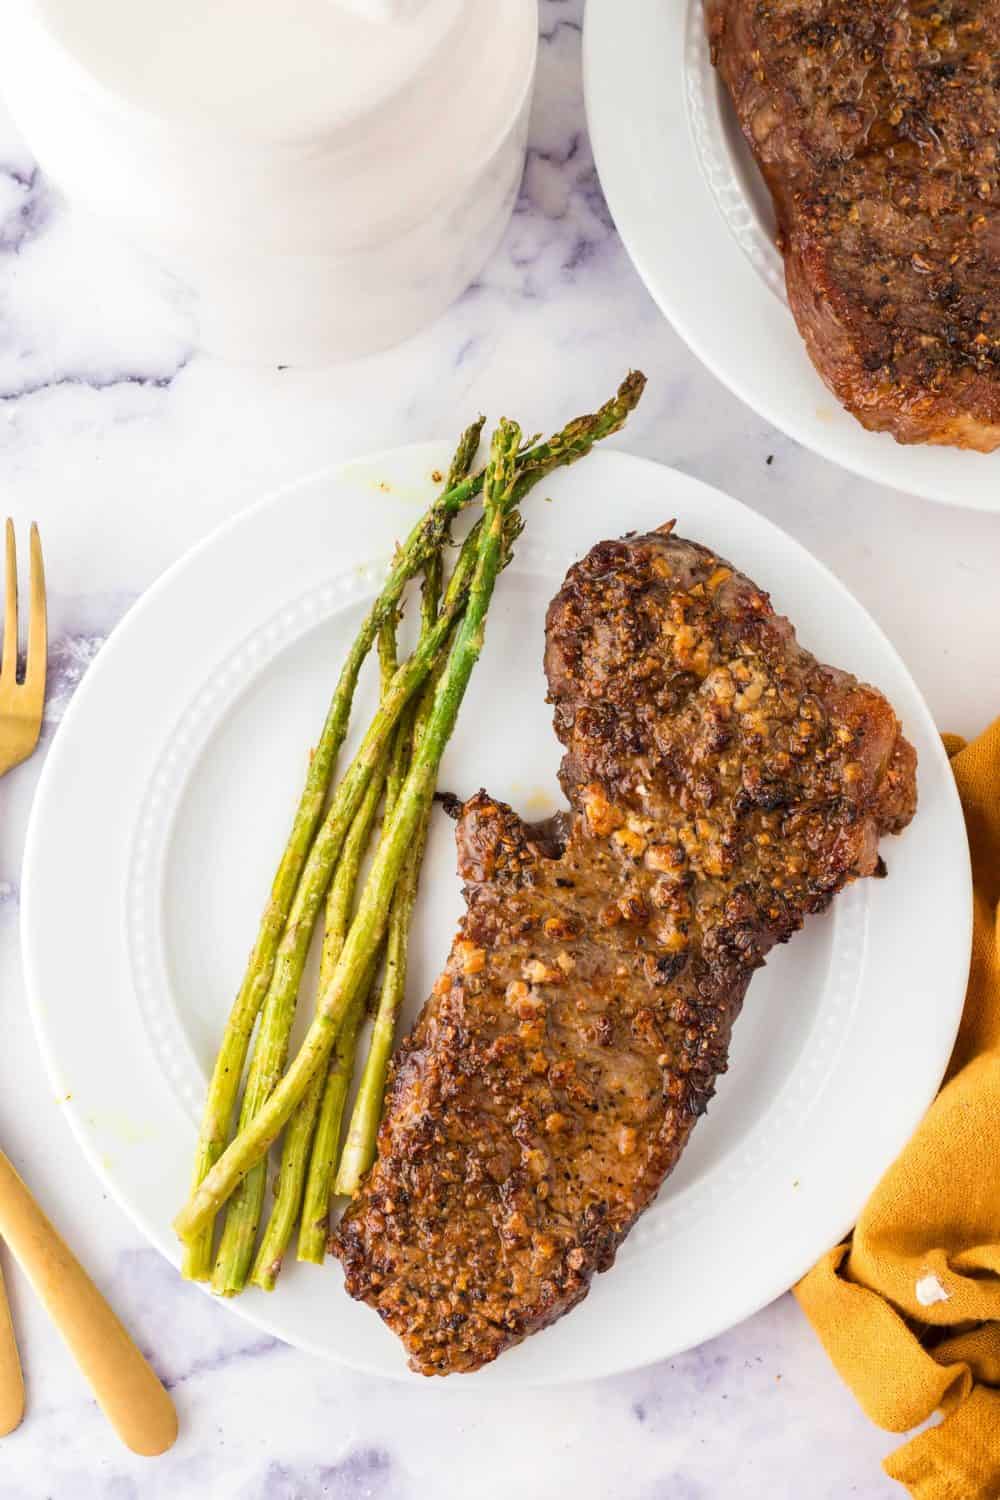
pixel 299 1135
pixel 333 1086
pixel 359 1147
pixel 573 442
pixel 330 1089
pixel 370 920
pixel 424 542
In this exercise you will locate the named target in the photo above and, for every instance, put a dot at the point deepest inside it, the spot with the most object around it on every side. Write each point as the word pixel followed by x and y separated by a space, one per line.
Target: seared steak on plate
pixel 723 784
pixel 876 125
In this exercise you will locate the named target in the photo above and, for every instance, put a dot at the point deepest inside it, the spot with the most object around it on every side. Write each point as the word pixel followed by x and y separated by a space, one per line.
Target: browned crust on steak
pixel 723 784
pixel 876 128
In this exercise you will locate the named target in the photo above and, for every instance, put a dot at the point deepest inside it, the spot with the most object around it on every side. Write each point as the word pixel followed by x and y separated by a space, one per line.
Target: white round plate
pixel 166 798
pixel 696 218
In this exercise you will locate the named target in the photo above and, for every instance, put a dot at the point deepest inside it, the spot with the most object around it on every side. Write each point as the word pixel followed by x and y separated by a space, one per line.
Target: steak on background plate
pixel 876 126
pixel 722 784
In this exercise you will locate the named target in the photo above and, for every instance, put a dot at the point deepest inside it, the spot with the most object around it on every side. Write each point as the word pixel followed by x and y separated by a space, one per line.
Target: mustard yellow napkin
pixel 909 1309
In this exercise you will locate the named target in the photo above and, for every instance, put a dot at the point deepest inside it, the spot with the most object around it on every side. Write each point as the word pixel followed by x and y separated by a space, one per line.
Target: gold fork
pixel 21 703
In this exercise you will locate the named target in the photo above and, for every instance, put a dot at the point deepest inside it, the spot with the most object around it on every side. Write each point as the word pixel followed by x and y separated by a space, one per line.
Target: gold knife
pixel 127 1390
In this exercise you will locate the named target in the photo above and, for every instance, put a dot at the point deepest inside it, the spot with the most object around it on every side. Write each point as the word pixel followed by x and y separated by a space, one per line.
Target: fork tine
pixel 8 662
pixel 38 633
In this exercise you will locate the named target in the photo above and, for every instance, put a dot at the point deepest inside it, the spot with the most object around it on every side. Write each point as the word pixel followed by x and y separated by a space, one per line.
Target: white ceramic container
pixel 325 176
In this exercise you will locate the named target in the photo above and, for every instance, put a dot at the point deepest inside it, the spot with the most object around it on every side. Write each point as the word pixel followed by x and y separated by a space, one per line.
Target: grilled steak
pixel 722 785
pixel 875 124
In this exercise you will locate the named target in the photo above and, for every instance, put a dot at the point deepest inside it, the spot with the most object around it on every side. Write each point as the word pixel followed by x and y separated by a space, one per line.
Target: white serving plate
pixel 696 219
pixel 165 801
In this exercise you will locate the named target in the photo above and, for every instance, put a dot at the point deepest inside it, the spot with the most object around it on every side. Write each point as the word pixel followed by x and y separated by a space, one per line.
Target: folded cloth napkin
pixel 909 1308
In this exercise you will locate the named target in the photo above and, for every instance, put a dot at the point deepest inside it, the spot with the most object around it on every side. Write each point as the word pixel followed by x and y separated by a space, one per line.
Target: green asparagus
pixel 318 1116
pixel 236 1246
pixel 314 1230
pixel 423 543
pixel 243 1215
pixel 369 923
pixel 299 1135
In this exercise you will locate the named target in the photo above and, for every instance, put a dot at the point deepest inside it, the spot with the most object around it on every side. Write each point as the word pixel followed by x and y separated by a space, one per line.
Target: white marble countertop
pixel 127 447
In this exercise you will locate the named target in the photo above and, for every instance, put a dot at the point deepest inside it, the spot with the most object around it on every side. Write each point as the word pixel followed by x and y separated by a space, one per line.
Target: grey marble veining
pixel 127 447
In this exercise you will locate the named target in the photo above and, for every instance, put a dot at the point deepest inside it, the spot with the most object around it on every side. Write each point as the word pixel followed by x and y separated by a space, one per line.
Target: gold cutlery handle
pixel 11 1379
pixel 128 1392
